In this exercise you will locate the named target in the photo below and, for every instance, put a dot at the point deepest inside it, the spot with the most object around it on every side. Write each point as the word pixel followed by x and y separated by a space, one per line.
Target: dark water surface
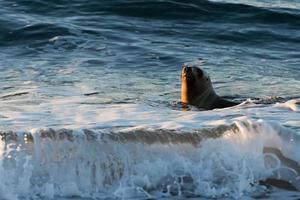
pixel 151 39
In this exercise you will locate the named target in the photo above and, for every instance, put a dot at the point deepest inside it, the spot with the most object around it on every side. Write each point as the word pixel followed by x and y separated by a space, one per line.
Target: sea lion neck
pixel 184 92
pixel 206 99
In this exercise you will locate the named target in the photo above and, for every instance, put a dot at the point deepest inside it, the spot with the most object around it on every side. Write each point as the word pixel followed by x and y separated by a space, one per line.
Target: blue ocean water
pixel 111 67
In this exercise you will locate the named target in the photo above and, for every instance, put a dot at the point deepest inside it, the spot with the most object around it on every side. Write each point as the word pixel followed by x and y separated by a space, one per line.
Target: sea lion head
pixel 196 87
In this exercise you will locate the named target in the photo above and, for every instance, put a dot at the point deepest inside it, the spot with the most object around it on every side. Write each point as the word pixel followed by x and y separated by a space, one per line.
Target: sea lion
pixel 197 90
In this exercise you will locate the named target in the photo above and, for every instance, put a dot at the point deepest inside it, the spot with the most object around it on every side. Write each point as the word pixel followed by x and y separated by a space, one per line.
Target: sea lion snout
pixel 190 72
pixel 186 72
pixel 186 69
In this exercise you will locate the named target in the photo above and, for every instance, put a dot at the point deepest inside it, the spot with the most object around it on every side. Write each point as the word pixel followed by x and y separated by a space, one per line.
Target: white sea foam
pixel 87 112
pixel 48 163
pixel 67 164
pixel 268 4
pixel 293 105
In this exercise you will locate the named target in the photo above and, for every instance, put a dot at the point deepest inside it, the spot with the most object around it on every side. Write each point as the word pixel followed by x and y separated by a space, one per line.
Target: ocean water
pixel 90 99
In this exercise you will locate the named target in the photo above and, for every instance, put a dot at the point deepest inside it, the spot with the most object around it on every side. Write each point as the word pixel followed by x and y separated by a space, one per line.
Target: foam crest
pixel 293 105
pixel 225 161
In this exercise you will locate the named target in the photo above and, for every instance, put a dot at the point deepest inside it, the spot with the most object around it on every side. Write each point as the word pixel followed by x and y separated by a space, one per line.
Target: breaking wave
pixel 226 161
